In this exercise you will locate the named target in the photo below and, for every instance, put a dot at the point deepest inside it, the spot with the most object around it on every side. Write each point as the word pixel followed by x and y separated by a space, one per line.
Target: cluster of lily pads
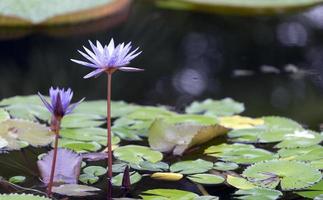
pixel 208 144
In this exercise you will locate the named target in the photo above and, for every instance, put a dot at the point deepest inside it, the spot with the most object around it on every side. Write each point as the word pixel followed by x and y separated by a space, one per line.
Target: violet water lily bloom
pixel 60 101
pixel 108 57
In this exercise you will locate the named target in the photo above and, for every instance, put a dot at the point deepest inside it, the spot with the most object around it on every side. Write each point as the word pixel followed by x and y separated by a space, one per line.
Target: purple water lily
pixel 60 101
pixel 108 58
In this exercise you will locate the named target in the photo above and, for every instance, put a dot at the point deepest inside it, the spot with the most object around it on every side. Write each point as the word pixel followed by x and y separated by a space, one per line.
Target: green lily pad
pixel 29 99
pixel 312 153
pixel 225 166
pixel 78 146
pixel 240 183
pixel 95 170
pixel 18 133
pixel 224 107
pixel 17 179
pixel 4 115
pixel 247 7
pixel 127 134
pixel 303 138
pixel 21 197
pixel 148 166
pixel 134 178
pixel 135 154
pixel 206 179
pixel 258 193
pixel 168 194
pixel 181 132
pixel 78 120
pixel 88 134
pixel 88 178
pixel 269 174
pixel 239 153
pixel 149 113
pixel 191 166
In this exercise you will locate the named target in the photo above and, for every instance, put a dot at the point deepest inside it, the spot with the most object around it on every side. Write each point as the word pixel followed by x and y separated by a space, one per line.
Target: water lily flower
pixel 60 101
pixel 108 58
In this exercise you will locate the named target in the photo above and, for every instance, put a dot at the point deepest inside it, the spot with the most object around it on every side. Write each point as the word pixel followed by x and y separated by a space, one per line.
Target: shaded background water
pixel 187 56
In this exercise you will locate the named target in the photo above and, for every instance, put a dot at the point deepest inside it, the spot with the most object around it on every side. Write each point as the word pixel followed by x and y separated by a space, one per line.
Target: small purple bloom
pixel 109 57
pixel 60 101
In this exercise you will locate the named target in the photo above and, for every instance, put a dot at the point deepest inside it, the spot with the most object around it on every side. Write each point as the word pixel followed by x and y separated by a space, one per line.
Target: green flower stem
pixel 109 171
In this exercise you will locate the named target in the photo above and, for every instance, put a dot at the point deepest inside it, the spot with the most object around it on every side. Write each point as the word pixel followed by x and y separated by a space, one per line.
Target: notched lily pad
pixel 286 173
pixel 21 197
pixel 191 166
pixel 206 179
pixel 240 183
pixel 169 194
pixel 134 178
pixel 258 193
pixel 224 107
pixel 135 154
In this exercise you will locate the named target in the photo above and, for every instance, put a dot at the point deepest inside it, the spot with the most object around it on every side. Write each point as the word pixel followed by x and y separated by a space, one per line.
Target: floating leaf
pixel 135 154
pixel 191 166
pixel 302 138
pixel 167 176
pixel 95 170
pixel 206 198
pixel 4 115
pixel 150 113
pixel 88 178
pixel 168 194
pixel 269 174
pixel 75 190
pixel 29 99
pixel 17 179
pixel 182 132
pixel 207 179
pixel 311 153
pixel 258 193
pixel 21 197
pixel 239 153
pixel 28 112
pixel 78 146
pixel 240 183
pixel 224 107
pixel 78 120
pixel 225 166
pixel 246 7
pixel 88 134
pixel 64 173
pixel 148 166
pixel 18 132
pixel 239 122
pixel 134 178
pixel 126 134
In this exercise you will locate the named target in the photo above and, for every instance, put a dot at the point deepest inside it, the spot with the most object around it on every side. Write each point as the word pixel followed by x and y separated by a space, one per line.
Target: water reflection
pixel 187 56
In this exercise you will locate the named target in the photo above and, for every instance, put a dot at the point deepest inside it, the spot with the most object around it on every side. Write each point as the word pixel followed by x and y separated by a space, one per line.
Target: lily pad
pixel 88 178
pixel 78 146
pixel 78 120
pixel 17 179
pixel 135 154
pixel 75 190
pixel 311 153
pixel 302 138
pixel 313 191
pixel 206 179
pixel 269 174
pixel 247 7
pixel 134 178
pixel 239 153
pixel 21 197
pixel 191 166
pixel 148 166
pixel 28 112
pixel 95 170
pixel 149 113
pixel 258 193
pixel 168 194
pixel 179 133
pixel 239 122
pixel 18 132
pixel 224 107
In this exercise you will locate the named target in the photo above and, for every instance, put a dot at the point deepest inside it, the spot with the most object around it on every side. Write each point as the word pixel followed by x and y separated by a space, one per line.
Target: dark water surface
pixel 187 56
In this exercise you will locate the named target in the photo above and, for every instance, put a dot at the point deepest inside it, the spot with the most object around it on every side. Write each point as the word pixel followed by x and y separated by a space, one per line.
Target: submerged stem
pixel 55 127
pixel 109 194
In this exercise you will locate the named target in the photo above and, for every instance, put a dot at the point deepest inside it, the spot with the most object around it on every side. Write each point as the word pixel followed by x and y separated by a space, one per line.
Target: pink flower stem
pixel 109 174
pixel 55 126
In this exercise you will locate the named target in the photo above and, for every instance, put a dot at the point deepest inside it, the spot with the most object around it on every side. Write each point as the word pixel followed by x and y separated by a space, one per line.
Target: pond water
pixel 274 64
